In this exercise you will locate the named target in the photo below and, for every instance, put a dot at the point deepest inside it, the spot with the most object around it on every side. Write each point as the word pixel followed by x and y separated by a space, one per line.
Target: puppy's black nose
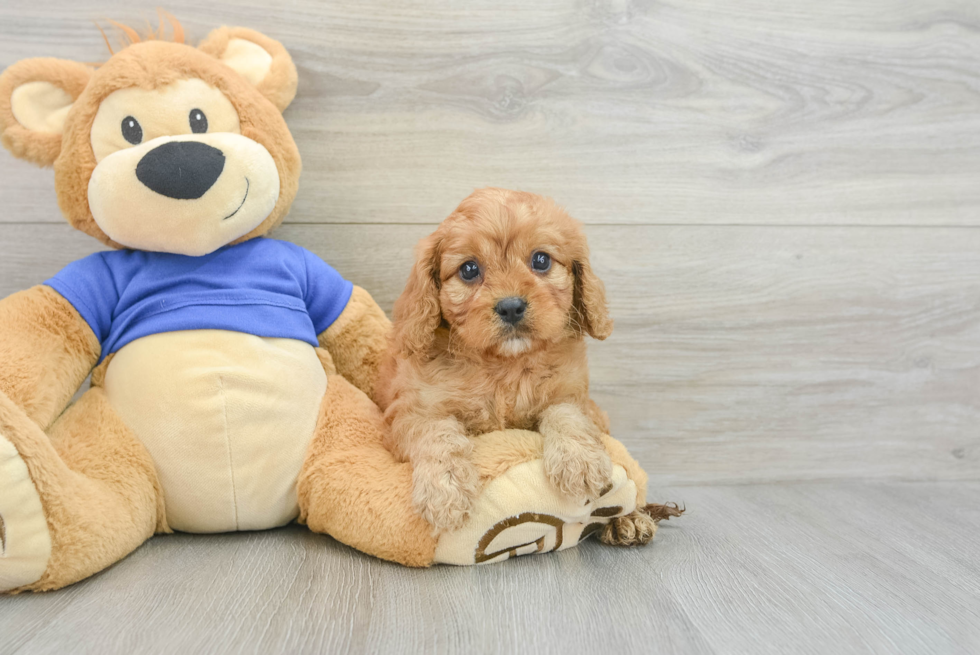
pixel 511 310
pixel 183 170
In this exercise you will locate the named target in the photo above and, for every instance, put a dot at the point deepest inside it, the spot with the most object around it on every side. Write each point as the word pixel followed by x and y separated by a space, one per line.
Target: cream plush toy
pixel 232 374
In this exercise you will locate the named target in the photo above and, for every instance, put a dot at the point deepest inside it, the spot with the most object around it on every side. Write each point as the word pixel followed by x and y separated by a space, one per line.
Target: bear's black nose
pixel 511 310
pixel 184 170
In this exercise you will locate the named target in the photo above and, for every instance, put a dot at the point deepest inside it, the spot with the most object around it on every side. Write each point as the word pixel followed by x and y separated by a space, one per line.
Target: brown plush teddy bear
pixel 232 375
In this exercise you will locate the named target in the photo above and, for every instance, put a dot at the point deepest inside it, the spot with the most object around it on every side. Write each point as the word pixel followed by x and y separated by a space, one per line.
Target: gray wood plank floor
pixel 809 568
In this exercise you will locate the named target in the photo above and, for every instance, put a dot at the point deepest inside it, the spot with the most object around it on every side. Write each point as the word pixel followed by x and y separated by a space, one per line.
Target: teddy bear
pixel 232 374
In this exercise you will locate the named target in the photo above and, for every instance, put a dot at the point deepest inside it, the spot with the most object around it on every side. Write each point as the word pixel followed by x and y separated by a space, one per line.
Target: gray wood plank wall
pixel 782 197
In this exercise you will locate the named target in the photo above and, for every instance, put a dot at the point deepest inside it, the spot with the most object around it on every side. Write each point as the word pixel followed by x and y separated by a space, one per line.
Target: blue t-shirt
pixel 264 287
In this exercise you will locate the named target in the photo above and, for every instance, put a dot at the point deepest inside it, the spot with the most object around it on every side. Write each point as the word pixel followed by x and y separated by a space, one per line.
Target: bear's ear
pixel 35 96
pixel 260 60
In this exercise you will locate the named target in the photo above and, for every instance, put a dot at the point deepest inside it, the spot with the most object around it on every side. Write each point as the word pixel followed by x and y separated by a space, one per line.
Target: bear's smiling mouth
pixel 239 204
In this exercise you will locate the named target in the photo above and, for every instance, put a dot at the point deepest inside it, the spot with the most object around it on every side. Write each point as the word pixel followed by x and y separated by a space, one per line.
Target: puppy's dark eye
pixel 198 121
pixel 132 131
pixel 541 262
pixel 469 271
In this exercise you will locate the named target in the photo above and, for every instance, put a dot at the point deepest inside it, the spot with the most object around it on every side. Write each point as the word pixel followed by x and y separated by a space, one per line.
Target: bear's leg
pixel 74 501
pixel 352 488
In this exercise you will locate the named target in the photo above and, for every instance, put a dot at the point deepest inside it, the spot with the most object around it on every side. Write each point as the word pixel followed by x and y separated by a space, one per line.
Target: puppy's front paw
pixel 443 495
pixel 576 469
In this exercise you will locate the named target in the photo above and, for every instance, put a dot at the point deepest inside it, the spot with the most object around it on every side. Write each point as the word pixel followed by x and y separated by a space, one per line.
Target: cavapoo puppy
pixel 489 334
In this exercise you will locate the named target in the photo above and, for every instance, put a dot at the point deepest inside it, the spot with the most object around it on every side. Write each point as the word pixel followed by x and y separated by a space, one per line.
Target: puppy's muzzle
pixel 511 310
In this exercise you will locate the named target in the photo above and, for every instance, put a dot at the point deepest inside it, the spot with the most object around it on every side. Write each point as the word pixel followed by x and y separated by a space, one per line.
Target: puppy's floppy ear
pixel 35 96
pixel 590 300
pixel 262 61
pixel 417 313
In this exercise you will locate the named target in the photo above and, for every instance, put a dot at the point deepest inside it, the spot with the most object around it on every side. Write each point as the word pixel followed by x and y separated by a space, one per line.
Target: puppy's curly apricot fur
pixel 462 363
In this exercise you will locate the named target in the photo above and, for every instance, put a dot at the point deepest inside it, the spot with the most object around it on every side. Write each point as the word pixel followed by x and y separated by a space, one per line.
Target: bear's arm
pixel 46 351
pixel 357 340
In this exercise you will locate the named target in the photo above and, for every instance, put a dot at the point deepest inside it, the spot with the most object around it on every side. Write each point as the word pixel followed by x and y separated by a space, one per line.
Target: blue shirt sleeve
pixel 89 286
pixel 327 293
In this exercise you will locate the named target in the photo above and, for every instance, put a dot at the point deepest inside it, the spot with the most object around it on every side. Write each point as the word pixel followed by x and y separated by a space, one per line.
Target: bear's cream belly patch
pixel 227 418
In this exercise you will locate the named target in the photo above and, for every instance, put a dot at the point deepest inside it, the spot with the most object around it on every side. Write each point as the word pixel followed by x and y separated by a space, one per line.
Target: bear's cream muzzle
pixel 187 194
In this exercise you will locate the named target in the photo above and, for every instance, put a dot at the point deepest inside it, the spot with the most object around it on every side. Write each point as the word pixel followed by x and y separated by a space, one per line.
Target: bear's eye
pixel 541 262
pixel 469 271
pixel 198 121
pixel 132 131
